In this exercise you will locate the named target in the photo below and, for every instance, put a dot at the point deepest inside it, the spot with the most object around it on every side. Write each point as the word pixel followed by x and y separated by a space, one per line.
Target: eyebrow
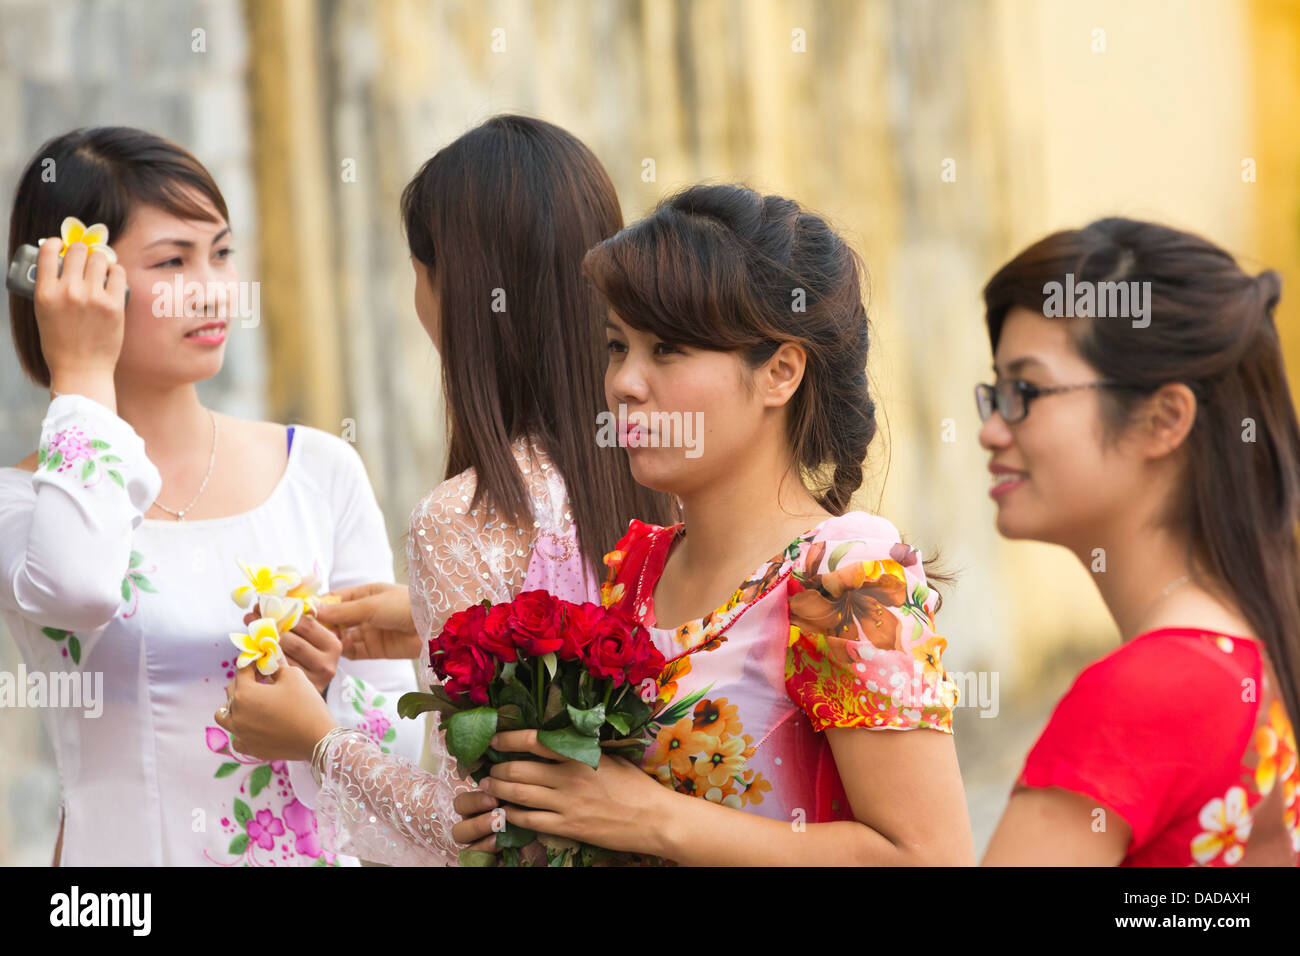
pixel 1018 365
pixel 186 243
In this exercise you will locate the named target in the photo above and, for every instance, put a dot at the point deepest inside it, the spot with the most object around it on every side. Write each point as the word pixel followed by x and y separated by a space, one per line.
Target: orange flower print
pixel 673 671
pixel 688 633
pixel 755 788
pixel 1275 744
pixel 674 747
pixel 856 596
pixel 611 594
pixel 720 761
pixel 1291 809
pixel 717 718
pixel 1227 822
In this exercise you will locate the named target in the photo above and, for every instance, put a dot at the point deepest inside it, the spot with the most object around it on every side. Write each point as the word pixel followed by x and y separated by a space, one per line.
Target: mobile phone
pixel 21 279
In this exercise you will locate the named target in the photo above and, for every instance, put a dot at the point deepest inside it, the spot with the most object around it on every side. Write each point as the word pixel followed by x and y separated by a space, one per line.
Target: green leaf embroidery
pixel 238 845
pixel 136 558
pixel 109 460
pixel 391 735
pixel 260 778
pixel 74 648
pixel 87 469
pixel 126 589
pixel 838 554
pixel 242 813
pixel 117 478
pixel 99 444
pixel 226 769
pixel 55 460
pixel 378 701
pixel 53 633
pixel 41 454
pixel 142 582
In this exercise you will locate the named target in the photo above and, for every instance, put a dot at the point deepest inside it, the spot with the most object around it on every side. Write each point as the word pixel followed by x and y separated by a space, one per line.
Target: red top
pixel 1180 732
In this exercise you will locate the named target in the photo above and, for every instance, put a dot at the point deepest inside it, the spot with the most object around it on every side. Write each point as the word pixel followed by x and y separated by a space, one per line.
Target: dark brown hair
pixel 98 175
pixel 501 218
pixel 1211 328
pixel 722 267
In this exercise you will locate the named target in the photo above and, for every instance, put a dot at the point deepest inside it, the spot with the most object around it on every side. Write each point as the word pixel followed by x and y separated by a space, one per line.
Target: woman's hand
pixel 80 315
pixel 311 647
pixel 615 806
pixel 481 822
pixel 279 719
pixel 374 622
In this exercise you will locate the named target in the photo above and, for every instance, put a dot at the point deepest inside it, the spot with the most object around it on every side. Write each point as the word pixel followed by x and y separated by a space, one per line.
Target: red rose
pixel 648 662
pixel 614 649
pixel 580 622
pixel 535 619
pixel 469 671
pixel 496 637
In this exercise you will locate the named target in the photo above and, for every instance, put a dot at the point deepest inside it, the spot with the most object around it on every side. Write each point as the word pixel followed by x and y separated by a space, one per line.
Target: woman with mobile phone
pixel 121 536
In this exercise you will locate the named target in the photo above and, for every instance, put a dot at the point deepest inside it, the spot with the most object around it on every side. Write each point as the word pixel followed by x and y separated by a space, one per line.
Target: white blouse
pixel 142 610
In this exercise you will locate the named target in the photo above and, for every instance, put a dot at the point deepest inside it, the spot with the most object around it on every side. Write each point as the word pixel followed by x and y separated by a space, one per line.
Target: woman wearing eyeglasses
pixel 1166 455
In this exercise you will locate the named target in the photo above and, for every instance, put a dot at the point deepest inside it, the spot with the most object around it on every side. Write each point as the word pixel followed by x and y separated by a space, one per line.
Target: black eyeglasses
pixel 1011 397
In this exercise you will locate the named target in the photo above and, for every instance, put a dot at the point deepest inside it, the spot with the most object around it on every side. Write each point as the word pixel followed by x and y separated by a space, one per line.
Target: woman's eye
pixel 663 348
pixel 225 253
pixel 174 263
pixel 615 346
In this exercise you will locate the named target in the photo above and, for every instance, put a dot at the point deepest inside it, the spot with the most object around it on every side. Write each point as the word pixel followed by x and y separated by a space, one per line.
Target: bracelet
pixel 322 745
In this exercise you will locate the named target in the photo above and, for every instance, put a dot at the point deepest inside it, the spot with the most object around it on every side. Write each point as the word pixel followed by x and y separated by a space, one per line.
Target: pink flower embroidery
pixel 263 828
pixel 73 445
pixel 302 821
pixel 375 723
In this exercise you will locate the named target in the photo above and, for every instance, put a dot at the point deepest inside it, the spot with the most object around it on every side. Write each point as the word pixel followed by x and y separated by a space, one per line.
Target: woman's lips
pixel 214 333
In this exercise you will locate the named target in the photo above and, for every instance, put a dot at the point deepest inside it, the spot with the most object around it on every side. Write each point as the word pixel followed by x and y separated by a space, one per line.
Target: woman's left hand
pixel 617 806
pixel 313 647
pixel 281 719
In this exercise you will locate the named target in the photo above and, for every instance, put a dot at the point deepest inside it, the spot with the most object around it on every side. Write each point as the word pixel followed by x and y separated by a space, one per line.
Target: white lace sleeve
pixel 384 808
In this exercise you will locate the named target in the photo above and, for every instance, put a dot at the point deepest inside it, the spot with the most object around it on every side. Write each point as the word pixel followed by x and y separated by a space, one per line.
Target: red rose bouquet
pixel 582 675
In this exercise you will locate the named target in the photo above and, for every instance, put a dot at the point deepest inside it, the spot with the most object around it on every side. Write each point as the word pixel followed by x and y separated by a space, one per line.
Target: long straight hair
pixel 501 219
pixel 1210 327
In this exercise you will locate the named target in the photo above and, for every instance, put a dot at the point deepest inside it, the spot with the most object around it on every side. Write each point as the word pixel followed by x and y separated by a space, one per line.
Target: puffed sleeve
pixel 363 694
pixel 863 651
pixel 65 535
pixel 1152 730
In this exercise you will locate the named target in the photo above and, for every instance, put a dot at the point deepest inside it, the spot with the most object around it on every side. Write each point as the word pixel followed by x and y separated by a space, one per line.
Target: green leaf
pixel 554 703
pixel 356 705
pixel 109 460
pixel 587 721
pixel 680 708
pixel 919 594
pixel 569 743
pixel 515 836
pixel 56 460
pixel 378 701
pixel 414 703
pixel 320 861
pixel 618 722
pixel 142 582
pixel 259 779
pixel 41 454
pixel 117 477
pixel 74 648
pixel 389 737
pixel 242 812
pixel 53 633
pixel 515 693
pixel 136 559
pixel 99 444
pixel 87 469
pixel 238 845
pixel 470 731
pixel 509 717
pixel 551 663
pixel 838 554
pixel 477 858
pixel 226 769
pixel 126 589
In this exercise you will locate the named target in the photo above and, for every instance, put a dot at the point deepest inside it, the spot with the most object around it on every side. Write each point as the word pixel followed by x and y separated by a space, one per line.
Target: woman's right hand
pixel 81 317
pixel 477 828
pixel 373 621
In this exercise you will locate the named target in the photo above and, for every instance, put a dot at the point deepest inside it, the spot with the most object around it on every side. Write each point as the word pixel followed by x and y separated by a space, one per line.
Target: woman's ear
pixel 1168 418
pixel 781 374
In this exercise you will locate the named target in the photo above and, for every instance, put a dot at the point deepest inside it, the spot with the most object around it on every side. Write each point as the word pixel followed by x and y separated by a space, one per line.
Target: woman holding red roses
pixel 807 718
pixel 500 217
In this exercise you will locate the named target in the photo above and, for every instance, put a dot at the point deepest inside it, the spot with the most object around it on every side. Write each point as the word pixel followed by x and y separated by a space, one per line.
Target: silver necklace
pixel 212 460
